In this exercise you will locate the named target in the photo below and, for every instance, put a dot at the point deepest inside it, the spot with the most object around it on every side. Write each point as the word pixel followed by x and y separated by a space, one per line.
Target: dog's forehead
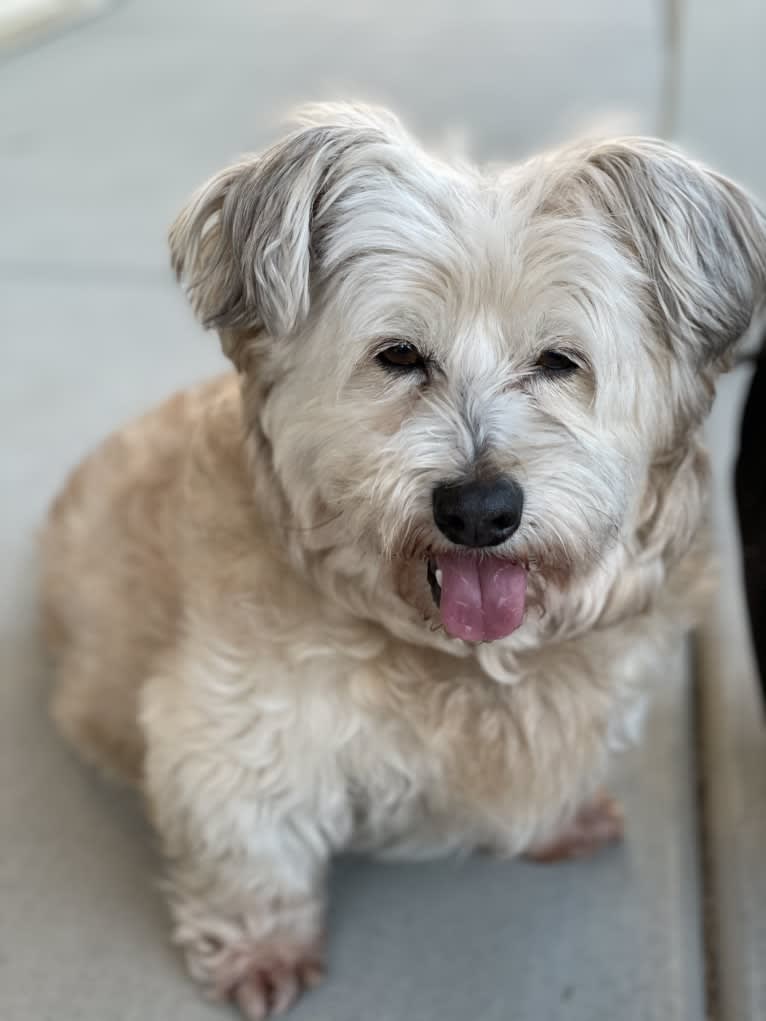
pixel 476 272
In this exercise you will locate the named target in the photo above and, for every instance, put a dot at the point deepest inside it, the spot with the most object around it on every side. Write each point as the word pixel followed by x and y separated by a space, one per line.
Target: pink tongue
pixel 481 600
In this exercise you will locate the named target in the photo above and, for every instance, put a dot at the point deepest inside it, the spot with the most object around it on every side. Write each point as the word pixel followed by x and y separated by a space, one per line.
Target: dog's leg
pixel 598 823
pixel 246 862
pixel 249 932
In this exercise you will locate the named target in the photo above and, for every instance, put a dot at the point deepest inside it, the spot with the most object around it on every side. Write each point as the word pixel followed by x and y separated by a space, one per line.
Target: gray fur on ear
pixel 700 239
pixel 245 243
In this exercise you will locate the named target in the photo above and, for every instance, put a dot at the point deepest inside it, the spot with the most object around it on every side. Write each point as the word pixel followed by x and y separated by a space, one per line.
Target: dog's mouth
pixel 480 598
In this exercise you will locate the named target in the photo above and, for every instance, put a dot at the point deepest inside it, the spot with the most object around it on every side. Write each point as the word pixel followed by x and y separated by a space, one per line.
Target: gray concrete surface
pixel 23 22
pixel 103 131
pixel 733 763
pixel 722 85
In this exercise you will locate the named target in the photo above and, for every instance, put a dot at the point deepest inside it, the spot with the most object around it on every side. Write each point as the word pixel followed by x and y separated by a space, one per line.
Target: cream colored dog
pixel 397 586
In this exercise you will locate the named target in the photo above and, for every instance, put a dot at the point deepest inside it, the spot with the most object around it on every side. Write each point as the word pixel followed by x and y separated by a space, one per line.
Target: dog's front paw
pixel 598 823
pixel 270 980
pixel 261 961
pixel 262 977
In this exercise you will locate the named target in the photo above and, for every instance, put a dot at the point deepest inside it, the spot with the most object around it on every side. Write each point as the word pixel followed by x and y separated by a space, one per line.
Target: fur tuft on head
pixel 247 242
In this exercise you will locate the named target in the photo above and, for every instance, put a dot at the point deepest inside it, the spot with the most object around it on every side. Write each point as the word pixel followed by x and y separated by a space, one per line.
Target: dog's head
pixel 471 372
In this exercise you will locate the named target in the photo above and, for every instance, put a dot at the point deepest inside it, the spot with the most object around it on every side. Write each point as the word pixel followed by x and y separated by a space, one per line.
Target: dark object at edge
pixel 750 493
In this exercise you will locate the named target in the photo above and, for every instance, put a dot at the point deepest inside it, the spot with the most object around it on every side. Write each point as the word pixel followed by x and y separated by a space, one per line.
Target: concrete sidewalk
pixel 103 132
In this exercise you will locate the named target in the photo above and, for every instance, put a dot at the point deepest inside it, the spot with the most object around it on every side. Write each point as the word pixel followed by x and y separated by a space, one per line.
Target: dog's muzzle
pixel 481 597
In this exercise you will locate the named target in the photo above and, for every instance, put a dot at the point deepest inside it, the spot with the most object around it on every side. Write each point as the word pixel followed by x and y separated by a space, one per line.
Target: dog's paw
pixel 598 823
pixel 269 985
pixel 262 977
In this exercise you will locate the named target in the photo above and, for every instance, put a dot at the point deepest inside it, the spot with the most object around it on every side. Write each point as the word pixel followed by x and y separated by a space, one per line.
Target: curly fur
pixel 235 587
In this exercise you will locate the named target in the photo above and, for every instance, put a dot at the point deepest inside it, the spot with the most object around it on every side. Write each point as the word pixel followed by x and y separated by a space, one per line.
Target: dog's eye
pixel 402 358
pixel 554 363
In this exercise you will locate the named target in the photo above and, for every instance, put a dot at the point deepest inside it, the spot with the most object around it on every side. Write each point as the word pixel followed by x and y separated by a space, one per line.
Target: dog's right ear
pixel 247 243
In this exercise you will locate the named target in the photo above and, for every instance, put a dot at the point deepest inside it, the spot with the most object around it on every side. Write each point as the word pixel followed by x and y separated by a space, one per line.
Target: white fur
pixel 237 587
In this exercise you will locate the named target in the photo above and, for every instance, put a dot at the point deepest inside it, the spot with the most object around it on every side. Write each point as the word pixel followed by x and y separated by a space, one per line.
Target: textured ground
pixel 104 128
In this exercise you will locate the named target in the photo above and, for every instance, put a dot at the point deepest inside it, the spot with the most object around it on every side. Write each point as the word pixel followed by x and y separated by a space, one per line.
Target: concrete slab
pixel 734 760
pixel 104 132
pixel 23 22
pixel 101 135
pixel 722 87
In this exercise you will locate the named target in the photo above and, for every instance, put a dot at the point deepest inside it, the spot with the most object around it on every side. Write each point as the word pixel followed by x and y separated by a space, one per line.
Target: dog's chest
pixel 413 755
pixel 402 782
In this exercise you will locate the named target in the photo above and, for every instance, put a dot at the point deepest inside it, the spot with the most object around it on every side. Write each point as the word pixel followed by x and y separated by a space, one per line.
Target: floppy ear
pixel 246 243
pixel 699 238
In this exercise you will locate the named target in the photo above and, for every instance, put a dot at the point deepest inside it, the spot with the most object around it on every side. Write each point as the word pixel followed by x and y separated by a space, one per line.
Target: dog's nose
pixel 478 513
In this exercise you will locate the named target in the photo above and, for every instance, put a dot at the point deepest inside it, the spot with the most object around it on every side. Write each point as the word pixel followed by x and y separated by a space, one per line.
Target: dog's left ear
pixel 699 238
pixel 248 242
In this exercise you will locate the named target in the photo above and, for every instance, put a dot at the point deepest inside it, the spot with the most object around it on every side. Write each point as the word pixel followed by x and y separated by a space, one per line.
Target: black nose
pixel 478 513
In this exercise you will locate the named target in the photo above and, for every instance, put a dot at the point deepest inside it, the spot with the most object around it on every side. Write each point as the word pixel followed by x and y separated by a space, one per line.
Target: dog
pixel 399 583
